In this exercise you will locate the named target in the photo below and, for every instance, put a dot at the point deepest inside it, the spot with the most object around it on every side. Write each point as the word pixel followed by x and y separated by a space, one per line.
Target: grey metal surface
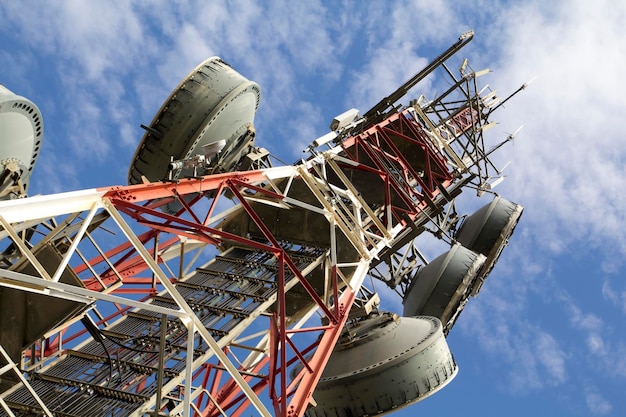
pixel 384 363
pixel 21 133
pixel 487 231
pixel 212 103
pixel 441 288
pixel 26 316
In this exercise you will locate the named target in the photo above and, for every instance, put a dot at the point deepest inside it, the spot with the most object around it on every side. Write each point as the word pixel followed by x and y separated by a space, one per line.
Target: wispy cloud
pixel 535 358
pixel 567 157
pixel 597 404
pixel 615 297
pixel 603 341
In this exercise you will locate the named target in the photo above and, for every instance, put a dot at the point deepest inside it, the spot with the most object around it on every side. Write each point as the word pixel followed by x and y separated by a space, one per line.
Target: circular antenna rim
pixel 16 109
pixel 209 121
pixel 240 85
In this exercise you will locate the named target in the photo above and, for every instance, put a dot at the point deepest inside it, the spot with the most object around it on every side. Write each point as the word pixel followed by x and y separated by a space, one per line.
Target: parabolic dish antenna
pixel 441 288
pixel 487 232
pixel 213 103
pixel 381 364
pixel 21 132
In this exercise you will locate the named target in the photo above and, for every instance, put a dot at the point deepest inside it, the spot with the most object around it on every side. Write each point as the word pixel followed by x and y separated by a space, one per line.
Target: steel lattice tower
pixel 226 292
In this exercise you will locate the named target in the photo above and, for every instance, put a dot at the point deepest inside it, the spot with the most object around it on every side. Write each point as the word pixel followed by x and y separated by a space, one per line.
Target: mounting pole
pixel 377 113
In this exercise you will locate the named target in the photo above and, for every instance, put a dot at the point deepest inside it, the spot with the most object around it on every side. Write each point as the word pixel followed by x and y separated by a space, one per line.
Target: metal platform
pixel 119 374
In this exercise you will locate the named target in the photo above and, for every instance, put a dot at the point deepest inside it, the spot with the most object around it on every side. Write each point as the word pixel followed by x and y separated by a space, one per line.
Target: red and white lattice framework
pixel 315 227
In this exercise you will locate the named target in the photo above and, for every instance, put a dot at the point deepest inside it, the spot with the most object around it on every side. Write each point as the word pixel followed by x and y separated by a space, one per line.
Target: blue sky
pixel 546 336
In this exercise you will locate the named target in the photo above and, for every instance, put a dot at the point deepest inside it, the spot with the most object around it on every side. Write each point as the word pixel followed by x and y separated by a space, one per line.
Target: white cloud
pixel 618 299
pixel 534 358
pixel 551 357
pixel 568 159
pixel 396 47
pixel 85 52
pixel 98 37
pixel 597 404
pixel 387 70
pixel 605 349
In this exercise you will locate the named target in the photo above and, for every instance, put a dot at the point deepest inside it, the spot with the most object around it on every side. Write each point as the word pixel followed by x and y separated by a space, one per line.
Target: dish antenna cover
pixel 21 133
pixel 441 288
pixel 213 103
pixel 384 363
pixel 487 232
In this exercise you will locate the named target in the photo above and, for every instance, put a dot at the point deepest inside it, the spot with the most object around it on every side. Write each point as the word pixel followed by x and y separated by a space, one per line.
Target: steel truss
pixel 194 297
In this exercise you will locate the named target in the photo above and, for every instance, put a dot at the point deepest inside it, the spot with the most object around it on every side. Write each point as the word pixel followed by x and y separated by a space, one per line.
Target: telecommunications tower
pixel 221 283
